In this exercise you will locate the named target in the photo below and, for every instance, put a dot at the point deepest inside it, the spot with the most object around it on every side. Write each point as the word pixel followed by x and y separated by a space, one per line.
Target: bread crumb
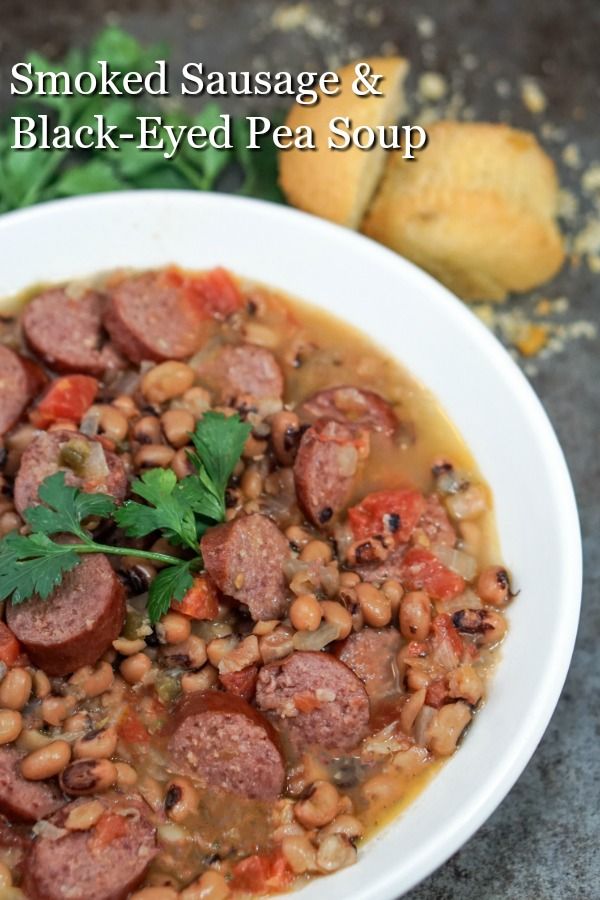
pixel 469 62
pixel 503 88
pixel 533 96
pixel 425 26
pixel 532 339
pixel 568 205
pixel 588 239
pixel 432 86
pixel 571 156
pixel 590 181
pixel 373 17
pixel 288 18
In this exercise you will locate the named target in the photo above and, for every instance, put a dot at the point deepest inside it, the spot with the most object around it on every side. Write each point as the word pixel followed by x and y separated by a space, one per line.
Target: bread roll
pixel 476 209
pixel 339 184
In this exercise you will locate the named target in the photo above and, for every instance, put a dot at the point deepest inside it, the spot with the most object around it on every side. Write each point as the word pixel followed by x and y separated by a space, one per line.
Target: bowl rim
pixel 463 823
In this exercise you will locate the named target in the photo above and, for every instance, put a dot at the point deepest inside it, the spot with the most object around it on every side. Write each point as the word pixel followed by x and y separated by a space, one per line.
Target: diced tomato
pixel 10 649
pixel 201 601
pixel 262 874
pixel 387 512
pixel 212 294
pixel 422 570
pixel 109 828
pixel 443 629
pixel 437 694
pixel 242 683
pixel 131 728
pixel 66 398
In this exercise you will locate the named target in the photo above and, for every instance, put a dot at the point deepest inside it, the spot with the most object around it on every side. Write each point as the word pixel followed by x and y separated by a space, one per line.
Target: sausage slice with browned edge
pixel 371 654
pixel 352 406
pixel 105 862
pixel 245 559
pixel 77 623
pixel 149 318
pixel 20 380
pixel 324 469
pixel 67 333
pixel 224 743
pixel 317 700
pixel 22 800
pixel 85 462
pixel 242 370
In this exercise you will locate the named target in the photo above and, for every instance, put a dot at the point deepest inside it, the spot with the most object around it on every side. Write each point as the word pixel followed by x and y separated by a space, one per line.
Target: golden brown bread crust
pixel 476 209
pixel 338 185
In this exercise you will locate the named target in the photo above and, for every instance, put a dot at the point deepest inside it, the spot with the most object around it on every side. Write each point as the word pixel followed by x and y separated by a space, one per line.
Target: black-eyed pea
pixel 349 826
pixel 306 613
pixel 319 807
pixel 415 616
pixel 349 579
pixel 300 853
pixel 126 775
pixel 376 607
pixel 167 380
pixel 297 536
pixel 196 400
pixel 251 483
pixel 146 430
pixel 135 668
pixel 199 681
pixel 446 727
pixel 127 647
pixel 285 435
pixel 15 689
pixel 11 725
pixel 80 721
pixel 181 799
pixel 254 448
pixel 181 464
pixel 41 684
pixel 335 852
pixel 112 422
pixel 56 709
pixel 337 615
pixel 173 628
pixel 98 744
pixel 5 876
pixel 84 816
pixel 162 892
pixel 151 456
pixel 88 776
pixel 152 792
pixel 394 592
pixel 219 648
pixel 210 886
pixel 32 739
pixel 493 586
pixel 125 404
pixel 177 425
pixel 93 681
pixel 317 551
pixel 46 761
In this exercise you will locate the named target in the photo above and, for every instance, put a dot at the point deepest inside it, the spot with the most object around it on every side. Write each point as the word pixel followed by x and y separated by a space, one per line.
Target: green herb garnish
pixel 34 564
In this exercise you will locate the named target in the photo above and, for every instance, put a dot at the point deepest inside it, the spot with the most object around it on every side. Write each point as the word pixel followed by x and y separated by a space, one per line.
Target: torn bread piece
pixel 477 209
pixel 339 185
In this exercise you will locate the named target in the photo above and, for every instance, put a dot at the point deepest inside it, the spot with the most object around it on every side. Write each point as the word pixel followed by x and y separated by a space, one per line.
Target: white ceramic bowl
pixel 446 347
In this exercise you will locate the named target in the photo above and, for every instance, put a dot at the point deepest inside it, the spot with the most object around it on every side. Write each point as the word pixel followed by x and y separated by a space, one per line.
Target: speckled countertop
pixel 542 842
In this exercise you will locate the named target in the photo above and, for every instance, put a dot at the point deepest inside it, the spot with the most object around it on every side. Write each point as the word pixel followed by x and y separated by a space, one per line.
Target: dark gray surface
pixel 543 840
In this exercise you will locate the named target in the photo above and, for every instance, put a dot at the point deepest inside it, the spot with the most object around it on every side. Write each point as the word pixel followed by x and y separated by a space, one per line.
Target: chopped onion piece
pixel 316 640
pixel 90 422
pixel 95 468
pixel 456 560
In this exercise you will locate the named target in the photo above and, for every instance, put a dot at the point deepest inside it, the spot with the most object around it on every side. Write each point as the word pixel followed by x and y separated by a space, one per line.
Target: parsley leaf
pixel 66 508
pixel 166 510
pixel 33 565
pixel 218 441
pixel 170 584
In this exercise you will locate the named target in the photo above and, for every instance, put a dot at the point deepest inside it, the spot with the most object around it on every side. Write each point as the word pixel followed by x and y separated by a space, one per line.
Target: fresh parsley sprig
pixel 34 564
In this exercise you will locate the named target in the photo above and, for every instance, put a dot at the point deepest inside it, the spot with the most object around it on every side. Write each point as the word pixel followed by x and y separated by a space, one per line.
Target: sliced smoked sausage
pixel 74 454
pixel 67 333
pixel 316 699
pixel 324 469
pixel 371 654
pixel 22 800
pixel 223 742
pixel 245 559
pixel 149 318
pixel 106 862
pixel 242 370
pixel 350 406
pixel 20 380
pixel 77 623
